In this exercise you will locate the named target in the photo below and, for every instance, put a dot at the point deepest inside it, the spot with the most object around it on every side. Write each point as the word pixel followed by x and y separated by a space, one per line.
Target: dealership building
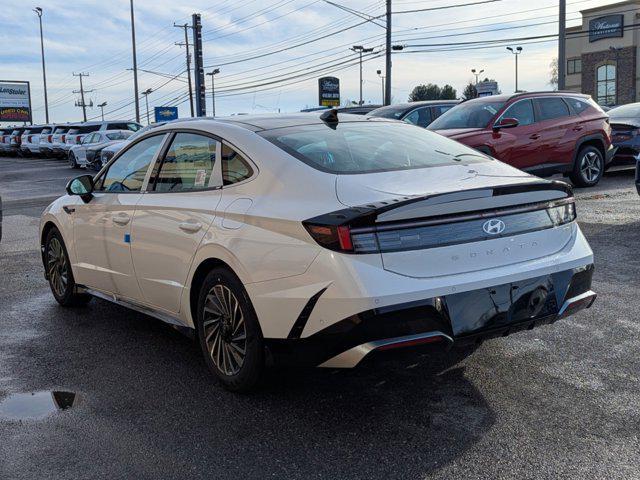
pixel 602 53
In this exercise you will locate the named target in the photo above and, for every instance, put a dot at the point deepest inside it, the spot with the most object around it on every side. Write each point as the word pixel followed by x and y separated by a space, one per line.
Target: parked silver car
pixel 87 154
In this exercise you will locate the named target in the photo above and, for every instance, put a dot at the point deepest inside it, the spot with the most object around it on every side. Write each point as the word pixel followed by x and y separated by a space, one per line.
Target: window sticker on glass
pixel 201 176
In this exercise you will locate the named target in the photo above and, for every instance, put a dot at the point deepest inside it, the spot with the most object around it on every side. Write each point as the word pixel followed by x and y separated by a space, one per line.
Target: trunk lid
pixel 434 221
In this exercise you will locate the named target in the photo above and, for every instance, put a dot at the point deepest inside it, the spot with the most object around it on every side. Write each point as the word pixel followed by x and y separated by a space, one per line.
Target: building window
pixel 574 65
pixel 606 84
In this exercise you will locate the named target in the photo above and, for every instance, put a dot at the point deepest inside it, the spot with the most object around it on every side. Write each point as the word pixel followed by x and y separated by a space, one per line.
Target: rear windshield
pixel 17 132
pixel 471 114
pixel 367 147
pixel 134 127
pixel 61 130
pixel 85 129
pixel 119 135
pixel 46 130
pixel 389 112
pixel 34 130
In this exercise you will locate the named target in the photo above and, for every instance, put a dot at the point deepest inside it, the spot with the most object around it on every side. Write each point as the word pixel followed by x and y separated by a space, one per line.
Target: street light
pixel 477 74
pixel 213 73
pixel 146 99
pixel 38 11
pixel 102 105
pixel 382 77
pixel 360 49
pixel 517 51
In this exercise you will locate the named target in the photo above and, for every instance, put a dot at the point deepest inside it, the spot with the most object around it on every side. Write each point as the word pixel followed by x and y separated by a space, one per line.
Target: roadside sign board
pixel 15 101
pixel 609 26
pixel 164 114
pixel 329 92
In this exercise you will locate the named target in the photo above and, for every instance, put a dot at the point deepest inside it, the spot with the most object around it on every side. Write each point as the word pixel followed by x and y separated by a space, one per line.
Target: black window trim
pixel 105 169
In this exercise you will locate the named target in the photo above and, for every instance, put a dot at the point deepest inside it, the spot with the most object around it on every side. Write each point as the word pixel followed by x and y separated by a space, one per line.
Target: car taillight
pixel 29 138
pixel 332 237
pixel 64 137
pixel 78 138
pixel 49 138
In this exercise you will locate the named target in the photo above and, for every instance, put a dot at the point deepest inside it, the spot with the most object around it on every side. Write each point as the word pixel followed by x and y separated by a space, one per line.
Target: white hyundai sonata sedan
pixel 317 239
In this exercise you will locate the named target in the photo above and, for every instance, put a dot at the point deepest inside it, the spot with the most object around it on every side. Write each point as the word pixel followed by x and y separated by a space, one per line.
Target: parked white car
pixel 30 144
pixel 76 133
pixel 318 238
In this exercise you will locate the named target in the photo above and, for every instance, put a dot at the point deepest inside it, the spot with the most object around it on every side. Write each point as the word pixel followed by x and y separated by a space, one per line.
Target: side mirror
pixel 81 186
pixel 506 123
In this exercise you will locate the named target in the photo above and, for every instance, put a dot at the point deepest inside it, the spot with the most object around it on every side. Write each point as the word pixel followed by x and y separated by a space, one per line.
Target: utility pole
pixel 135 64
pixel 360 49
pixel 387 91
pixel 477 74
pixel 379 72
pixel 82 91
pixel 186 44
pixel 517 51
pixel 213 73
pixel 38 11
pixel 146 99
pixel 562 39
pixel 198 66
pixel 102 105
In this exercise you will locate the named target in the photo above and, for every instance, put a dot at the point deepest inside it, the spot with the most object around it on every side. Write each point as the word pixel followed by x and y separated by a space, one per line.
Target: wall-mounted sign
pixel 164 114
pixel 329 92
pixel 15 101
pixel 609 26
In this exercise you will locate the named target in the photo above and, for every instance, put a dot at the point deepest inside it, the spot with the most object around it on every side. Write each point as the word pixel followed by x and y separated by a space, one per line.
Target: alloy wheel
pixel 590 166
pixel 225 330
pixel 58 267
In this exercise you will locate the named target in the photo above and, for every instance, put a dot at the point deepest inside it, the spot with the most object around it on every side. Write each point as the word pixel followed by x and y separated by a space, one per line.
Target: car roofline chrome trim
pixel 165 317
pixel 352 357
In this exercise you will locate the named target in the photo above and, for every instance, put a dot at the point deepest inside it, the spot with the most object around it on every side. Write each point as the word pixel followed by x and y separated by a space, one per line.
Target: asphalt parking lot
pixel 561 401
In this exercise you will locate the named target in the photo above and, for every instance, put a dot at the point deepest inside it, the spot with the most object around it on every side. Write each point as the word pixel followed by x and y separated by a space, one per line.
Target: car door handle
pixel 577 128
pixel 534 136
pixel 121 219
pixel 190 227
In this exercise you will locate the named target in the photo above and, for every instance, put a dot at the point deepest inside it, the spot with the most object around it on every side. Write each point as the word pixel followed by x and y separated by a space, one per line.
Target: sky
pixel 270 52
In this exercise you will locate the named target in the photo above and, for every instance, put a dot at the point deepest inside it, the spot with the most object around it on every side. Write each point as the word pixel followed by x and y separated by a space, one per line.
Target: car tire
pixel 59 274
pixel 588 167
pixel 72 160
pixel 229 333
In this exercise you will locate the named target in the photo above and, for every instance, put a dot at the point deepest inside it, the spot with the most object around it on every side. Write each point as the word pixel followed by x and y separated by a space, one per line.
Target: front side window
pixel 367 147
pixel 419 116
pixel 521 111
pixel 606 84
pixel 234 166
pixel 127 173
pixel 188 165
pixel 552 107
pixel 471 114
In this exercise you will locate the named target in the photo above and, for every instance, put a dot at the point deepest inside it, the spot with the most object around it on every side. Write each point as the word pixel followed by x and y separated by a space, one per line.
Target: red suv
pixel 543 133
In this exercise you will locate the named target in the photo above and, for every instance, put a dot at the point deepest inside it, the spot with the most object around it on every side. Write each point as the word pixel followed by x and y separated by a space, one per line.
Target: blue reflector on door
pixel 127 238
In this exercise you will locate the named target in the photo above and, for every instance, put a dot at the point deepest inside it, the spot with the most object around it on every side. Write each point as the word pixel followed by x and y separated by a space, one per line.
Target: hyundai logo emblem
pixel 493 227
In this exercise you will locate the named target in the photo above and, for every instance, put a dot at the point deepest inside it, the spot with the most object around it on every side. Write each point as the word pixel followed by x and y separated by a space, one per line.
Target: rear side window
pixel 88 129
pixel 552 107
pixel 234 166
pixel 188 165
pixel 420 117
pixel 127 173
pixel 521 111
pixel 123 126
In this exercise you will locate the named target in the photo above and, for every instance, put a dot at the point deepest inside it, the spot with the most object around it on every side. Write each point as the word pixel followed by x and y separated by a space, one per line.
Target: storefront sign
pixel 609 26
pixel 15 102
pixel 329 92
pixel 164 114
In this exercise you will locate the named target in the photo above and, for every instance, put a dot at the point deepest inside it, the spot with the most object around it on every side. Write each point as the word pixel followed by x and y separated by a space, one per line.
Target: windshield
pixel 389 112
pixel 625 111
pixel 367 147
pixel 471 114
pixel 119 135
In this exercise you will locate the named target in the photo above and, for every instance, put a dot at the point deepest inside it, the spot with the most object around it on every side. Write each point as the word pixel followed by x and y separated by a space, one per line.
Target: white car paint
pixel 255 227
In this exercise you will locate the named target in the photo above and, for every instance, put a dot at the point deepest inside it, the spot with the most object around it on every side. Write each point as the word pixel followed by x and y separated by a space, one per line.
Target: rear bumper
pixel 445 321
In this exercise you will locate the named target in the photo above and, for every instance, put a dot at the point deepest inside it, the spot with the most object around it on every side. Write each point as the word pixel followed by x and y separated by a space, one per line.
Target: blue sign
pixel 164 114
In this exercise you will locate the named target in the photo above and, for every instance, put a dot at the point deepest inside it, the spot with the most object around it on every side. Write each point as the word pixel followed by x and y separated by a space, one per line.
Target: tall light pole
pixel 477 74
pixel 379 72
pixel 562 54
pixel 213 73
pixel 102 105
pixel 146 99
pixel 387 89
pixel 360 49
pixel 185 27
pixel 38 11
pixel 516 51
pixel 135 64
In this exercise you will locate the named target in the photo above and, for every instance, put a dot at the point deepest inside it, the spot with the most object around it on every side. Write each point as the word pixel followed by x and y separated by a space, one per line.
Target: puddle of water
pixel 36 405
